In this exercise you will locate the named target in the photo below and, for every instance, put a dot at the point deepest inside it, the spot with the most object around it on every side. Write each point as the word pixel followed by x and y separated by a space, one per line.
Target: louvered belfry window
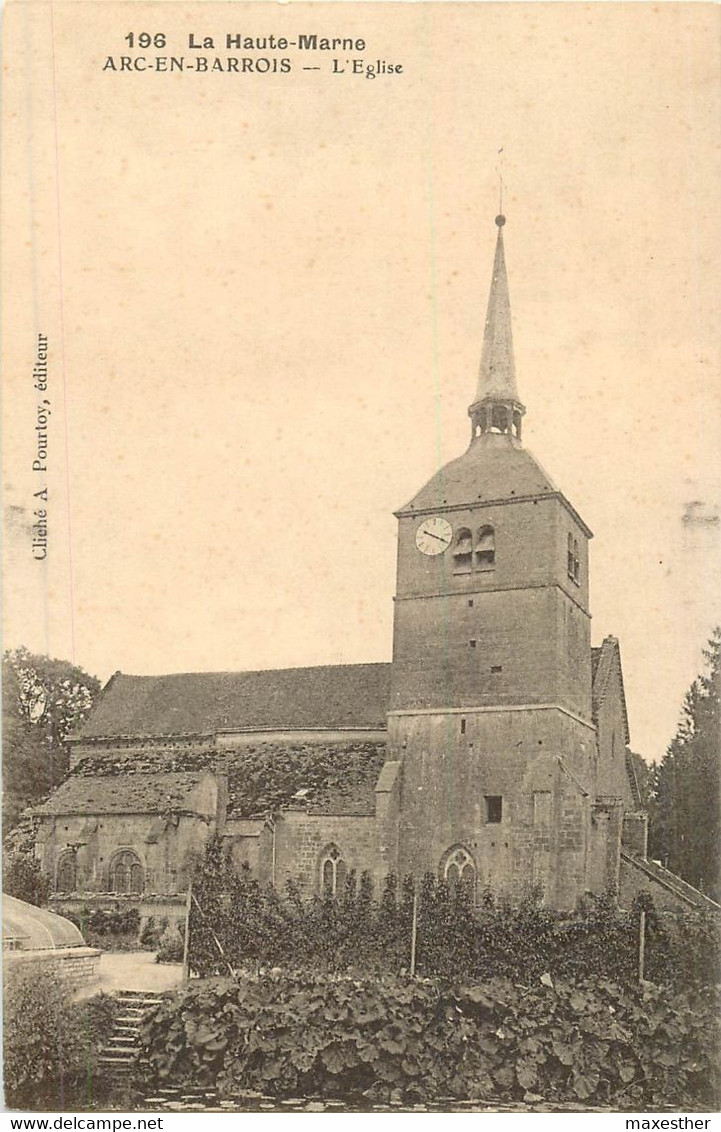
pixel 485 555
pixel 463 551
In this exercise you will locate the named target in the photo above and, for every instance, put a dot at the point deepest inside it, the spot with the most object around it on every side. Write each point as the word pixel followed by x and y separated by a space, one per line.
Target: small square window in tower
pixel 494 808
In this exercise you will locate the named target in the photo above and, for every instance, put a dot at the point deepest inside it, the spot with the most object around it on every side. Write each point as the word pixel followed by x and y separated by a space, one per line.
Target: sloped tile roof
pixel 595 658
pixel 356 799
pixel 604 661
pixel 319 778
pixel 121 794
pixel 493 467
pixel 324 778
pixel 203 703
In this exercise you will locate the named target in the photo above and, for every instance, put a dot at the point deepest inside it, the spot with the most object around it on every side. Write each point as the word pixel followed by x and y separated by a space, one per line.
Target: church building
pixel 492 751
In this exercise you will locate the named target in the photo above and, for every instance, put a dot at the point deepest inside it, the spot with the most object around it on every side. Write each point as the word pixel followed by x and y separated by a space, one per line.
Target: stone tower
pixel 491 684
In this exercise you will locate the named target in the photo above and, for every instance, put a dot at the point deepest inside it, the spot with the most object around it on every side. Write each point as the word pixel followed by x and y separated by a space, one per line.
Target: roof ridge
pixel 249 671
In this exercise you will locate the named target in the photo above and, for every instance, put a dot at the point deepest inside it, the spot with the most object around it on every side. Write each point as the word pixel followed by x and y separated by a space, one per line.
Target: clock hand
pixel 439 537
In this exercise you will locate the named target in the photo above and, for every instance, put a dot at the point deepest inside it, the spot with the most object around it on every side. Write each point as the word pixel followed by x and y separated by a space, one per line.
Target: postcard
pixel 362 534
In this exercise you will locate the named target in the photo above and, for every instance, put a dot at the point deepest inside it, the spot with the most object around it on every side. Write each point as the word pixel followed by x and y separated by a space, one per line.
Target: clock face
pixel 434 535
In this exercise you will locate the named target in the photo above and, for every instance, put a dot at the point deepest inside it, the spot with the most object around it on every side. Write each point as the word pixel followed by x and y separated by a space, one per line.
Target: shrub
pixel 152 931
pixel 253 923
pixel 51 1043
pixel 23 878
pixel 112 929
pixel 287 1033
pixel 170 946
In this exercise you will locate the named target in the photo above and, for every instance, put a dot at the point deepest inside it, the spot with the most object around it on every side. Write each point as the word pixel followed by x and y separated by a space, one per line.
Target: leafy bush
pixel 51 1043
pixel 23 878
pixel 237 921
pixel 115 921
pixel 112 929
pixel 151 932
pixel 590 1041
pixel 170 945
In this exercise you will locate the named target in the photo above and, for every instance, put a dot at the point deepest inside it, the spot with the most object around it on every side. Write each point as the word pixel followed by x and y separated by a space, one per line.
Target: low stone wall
pixel 669 892
pixel 75 967
pixel 171 907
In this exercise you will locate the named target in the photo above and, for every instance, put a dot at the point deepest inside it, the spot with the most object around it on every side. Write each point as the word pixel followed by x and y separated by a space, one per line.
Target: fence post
pixel 641 945
pixel 414 930
pixel 186 938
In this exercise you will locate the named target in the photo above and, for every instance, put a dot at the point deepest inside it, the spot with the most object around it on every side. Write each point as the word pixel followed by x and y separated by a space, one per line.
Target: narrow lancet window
pixel 332 871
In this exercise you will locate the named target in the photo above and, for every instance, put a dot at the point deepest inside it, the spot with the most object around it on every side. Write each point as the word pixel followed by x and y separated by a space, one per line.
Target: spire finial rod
pixel 500 181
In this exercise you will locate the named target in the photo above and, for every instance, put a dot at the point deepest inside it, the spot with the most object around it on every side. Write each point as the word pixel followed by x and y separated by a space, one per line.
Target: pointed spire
pixel 496 407
pixel 497 375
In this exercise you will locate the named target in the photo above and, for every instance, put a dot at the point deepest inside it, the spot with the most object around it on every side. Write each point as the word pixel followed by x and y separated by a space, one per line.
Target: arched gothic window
pixel 126 872
pixel 332 871
pixel 66 875
pixel 463 551
pixel 569 557
pixel 459 871
pixel 485 556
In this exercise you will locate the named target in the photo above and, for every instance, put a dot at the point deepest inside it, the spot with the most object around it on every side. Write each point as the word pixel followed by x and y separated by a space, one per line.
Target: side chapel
pixel 492 750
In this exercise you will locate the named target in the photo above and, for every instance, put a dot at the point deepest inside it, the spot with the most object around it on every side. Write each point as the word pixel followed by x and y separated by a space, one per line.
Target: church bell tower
pixel 491 686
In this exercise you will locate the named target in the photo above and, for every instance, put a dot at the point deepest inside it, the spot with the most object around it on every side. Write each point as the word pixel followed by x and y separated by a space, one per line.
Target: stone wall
pixel 165 857
pixel 635 833
pixel 668 891
pixel 612 774
pixel 170 908
pixel 301 839
pixel 529 621
pixel 455 764
pixel 75 967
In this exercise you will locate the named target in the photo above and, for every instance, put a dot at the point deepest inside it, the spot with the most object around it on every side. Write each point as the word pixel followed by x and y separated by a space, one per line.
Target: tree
pixel 23 878
pixel 44 701
pixel 644 773
pixel 685 807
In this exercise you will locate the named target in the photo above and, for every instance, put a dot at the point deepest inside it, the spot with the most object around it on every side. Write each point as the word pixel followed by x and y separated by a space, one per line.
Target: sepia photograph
pixel 361 736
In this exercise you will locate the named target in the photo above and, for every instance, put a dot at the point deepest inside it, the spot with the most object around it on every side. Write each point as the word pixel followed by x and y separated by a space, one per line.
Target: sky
pixel 264 297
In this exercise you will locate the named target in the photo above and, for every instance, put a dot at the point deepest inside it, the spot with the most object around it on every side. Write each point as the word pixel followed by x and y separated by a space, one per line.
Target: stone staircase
pixel 119 1053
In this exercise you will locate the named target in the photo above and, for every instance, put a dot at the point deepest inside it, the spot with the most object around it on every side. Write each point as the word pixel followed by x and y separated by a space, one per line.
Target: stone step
pixel 138 996
pixel 138 1003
